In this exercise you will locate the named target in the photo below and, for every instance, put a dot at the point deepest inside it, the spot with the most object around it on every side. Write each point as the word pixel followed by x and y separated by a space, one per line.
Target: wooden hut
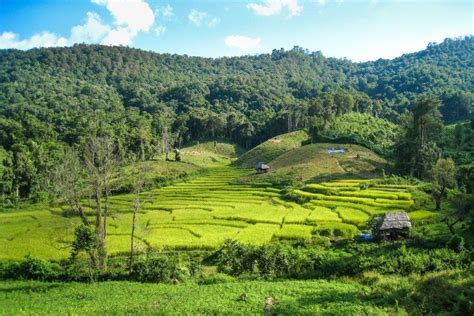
pixel 393 226
pixel 262 168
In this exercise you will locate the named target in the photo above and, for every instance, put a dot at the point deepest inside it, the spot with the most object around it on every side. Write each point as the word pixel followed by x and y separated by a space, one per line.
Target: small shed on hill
pixel 261 167
pixel 393 226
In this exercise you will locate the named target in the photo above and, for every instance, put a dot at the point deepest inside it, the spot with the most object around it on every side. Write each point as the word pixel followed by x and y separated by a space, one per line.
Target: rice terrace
pixel 155 160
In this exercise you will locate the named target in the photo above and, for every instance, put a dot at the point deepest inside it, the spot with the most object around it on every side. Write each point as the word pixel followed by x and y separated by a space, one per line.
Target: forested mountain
pixel 147 102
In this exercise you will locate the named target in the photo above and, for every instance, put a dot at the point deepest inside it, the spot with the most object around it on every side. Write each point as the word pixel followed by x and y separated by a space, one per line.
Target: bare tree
pixel 67 183
pixel 101 165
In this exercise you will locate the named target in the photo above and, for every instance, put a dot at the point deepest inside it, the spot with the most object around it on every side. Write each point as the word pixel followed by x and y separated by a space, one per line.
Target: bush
pixel 160 269
pixel 31 268
pixel 408 261
pixel 456 243
pixel 9 270
pixel 283 261
pixel 235 258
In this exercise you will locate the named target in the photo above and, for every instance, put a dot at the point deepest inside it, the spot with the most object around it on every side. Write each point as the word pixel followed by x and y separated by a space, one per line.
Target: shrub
pixel 235 258
pixel 407 261
pixel 33 268
pixel 157 269
pixel 456 243
pixel 9 270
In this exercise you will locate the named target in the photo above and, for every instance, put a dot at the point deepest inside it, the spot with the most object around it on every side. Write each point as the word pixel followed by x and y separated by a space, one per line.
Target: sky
pixel 359 30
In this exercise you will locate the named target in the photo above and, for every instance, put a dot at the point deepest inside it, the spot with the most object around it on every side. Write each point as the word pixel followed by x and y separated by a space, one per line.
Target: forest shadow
pixel 333 302
pixel 31 288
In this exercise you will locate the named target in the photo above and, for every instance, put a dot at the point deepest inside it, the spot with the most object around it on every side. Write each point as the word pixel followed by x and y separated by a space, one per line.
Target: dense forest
pixel 147 103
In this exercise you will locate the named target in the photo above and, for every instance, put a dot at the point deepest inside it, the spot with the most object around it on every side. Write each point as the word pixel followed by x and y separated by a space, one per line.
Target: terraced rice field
pixel 355 201
pixel 203 212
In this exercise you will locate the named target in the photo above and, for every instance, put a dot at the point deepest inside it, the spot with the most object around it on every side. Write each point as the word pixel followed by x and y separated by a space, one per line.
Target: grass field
pixel 437 293
pixel 290 297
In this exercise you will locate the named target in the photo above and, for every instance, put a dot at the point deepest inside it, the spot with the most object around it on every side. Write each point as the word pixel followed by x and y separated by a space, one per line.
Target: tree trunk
pixel 99 229
pixel 83 216
pixel 132 241
pixel 438 197
pixel 104 228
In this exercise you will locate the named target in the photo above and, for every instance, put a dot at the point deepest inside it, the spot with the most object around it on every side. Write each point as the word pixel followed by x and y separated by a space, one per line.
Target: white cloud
pixel 119 36
pixel 91 32
pixel 130 18
pixel 242 42
pixel 199 18
pixel 196 17
pixel 322 3
pixel 271 7
pixel 42 39
pixel 166 11
pixel 214 22
pixel 136 15
pixel 160 29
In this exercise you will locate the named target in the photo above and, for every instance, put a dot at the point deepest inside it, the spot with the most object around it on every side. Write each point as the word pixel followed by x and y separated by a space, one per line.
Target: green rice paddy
pixel 203 212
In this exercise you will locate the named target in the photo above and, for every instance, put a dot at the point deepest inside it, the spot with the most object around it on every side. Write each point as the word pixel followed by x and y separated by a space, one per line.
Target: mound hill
pixel 314 163
pixel 210 153
pixel 271 149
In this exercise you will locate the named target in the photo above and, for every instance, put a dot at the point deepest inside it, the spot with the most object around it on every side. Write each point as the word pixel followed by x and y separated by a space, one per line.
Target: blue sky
pixel 356 29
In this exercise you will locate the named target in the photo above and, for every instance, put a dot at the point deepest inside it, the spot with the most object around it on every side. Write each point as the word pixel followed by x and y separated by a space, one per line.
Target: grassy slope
pixel 313 163
pixel 271 149
pixel 204 154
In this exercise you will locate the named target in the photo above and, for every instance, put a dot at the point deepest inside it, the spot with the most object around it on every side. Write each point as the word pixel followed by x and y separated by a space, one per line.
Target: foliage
pixel 149 103
pixel 159 269
pixel 417 149
pixel 31 268
pixel 280 260
pixel 443 176
pixel 364 129
pixel 458 144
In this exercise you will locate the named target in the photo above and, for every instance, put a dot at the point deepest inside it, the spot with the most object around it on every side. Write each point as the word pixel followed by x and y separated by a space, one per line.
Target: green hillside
pixel 210 153
pixel 52 98
pixel 364 129
pixel 313 163
pixel 271 149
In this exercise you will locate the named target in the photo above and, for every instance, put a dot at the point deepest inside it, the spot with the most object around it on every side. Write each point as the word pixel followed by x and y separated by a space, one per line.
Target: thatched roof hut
pixel 393 225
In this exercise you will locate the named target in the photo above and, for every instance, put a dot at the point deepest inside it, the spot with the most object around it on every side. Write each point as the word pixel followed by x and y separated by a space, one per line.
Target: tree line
pixel 149 103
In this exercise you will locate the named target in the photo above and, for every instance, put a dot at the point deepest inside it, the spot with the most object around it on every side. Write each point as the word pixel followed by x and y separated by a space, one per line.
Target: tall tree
pixel 443 176
pixel 417 149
